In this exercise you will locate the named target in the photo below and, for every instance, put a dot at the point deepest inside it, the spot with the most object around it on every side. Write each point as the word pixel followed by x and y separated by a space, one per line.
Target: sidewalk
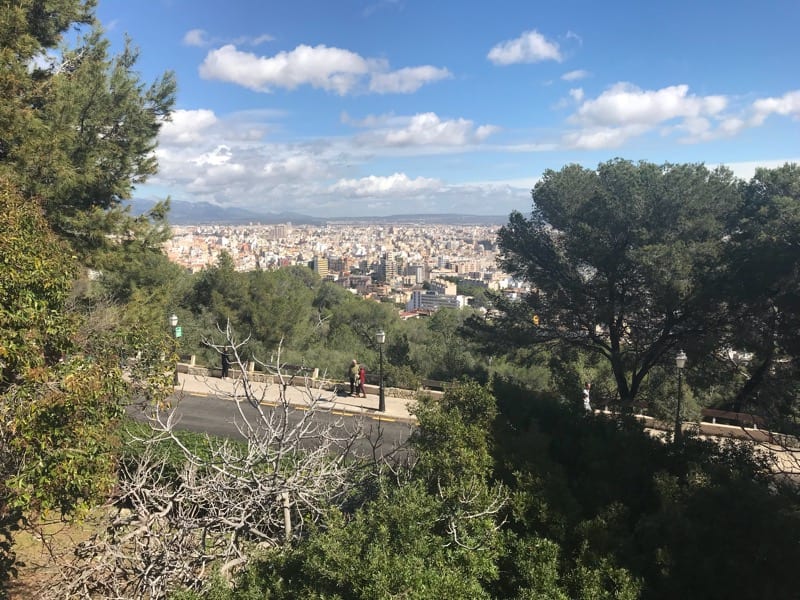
pixel 397 409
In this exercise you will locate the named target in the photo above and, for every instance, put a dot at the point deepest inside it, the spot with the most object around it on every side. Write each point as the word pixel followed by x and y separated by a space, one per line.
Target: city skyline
pixel 385 107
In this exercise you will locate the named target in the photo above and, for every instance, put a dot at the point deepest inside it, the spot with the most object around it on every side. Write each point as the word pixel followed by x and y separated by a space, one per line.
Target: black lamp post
pixel 680 363
pixel 380 337
pixel 173 322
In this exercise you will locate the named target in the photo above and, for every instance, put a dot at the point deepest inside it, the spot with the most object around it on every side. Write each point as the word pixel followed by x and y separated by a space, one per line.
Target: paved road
pixel 206 413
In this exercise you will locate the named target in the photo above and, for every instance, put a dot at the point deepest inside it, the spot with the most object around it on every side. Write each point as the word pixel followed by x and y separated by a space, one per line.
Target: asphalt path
pixel 219 417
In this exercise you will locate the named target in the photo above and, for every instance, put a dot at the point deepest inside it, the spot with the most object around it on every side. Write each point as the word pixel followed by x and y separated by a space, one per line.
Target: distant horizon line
pixel 199 213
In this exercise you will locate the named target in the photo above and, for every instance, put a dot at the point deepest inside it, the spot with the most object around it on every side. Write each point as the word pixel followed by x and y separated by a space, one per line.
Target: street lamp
pixel 380 337
pixel 680 363
pixel 173 322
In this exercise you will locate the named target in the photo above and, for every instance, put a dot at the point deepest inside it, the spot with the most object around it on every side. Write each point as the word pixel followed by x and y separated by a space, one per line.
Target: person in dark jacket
pixel 352 374
pixel 226 363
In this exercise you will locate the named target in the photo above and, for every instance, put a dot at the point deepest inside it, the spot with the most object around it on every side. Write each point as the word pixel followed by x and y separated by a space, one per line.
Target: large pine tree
pixel 77 126
pixel 77 133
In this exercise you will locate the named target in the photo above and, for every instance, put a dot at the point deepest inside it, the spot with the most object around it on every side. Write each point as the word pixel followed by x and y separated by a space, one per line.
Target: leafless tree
pixel 228 499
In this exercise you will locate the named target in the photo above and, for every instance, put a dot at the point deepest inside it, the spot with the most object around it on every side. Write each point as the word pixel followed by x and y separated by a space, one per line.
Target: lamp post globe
pixel 173 323
pixel 680 363
pixel 380 337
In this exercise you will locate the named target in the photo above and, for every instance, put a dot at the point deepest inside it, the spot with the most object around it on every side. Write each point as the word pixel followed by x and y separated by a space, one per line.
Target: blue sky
pixel 378 107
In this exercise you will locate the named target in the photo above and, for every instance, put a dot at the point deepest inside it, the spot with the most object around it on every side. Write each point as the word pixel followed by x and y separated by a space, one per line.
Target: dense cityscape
pixel 376 261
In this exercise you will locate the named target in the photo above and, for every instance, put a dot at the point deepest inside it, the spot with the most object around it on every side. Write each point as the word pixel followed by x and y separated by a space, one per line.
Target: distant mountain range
pixel 203 213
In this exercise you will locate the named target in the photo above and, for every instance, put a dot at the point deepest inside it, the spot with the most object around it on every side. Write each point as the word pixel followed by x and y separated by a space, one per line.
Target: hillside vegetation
pixel 507 488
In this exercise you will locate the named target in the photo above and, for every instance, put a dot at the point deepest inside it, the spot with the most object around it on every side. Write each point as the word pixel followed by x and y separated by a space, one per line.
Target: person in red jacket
pixel 362 379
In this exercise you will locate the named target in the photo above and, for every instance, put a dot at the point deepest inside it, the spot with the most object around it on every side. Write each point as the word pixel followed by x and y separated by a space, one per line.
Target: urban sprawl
pixel 415 266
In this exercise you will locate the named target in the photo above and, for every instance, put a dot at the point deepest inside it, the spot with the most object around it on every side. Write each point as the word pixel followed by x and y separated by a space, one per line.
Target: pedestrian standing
pixel 587 405
pixel 362 379
pixel 352 374
pixel 226 362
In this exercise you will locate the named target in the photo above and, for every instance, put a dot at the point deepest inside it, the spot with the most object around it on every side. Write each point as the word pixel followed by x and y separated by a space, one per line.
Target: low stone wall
pixel 301 380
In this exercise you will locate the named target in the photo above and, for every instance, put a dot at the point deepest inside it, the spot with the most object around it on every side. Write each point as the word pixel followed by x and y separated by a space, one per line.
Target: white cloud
pixel 296 167
pixel 195 37
pixel 731 126
pixel 696 127
pixel 575 75
pixel 530 47
pixel 788 104
pixel 229 160
pixel 218 156
pixel 747 169
pixel 323 67
pixel 216 177
pixel 755 115
pixel 602 137
pixel 396 184
pixel 576 94
pixel 624 111
pixel 625 104
pixel 407 80
pixel 187 126
pixel 331 69
pixel 425 129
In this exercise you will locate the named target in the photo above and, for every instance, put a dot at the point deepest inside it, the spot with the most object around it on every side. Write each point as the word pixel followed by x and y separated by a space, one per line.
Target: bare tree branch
pixel 225 499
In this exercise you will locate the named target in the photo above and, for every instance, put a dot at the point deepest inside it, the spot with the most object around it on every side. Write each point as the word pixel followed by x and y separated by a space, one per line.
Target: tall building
pixel 417 272
pixel 319 264
pixel 388 267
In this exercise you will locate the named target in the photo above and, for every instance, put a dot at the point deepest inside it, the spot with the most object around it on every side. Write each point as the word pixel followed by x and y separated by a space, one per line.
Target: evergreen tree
pixel 77 127
pixel 623 261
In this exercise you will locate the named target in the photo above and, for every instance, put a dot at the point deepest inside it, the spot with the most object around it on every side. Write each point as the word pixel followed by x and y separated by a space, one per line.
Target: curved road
pixel 218 417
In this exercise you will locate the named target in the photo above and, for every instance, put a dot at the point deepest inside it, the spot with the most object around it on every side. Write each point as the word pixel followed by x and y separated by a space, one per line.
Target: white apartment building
pixel 430 300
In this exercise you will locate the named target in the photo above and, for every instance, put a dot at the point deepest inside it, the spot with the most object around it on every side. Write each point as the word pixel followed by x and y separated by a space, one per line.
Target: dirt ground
pixel 41 554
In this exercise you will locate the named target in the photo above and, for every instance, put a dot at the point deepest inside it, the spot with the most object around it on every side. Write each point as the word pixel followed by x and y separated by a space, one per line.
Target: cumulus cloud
pixel 331 69
pixel 575 75
pixel 786 105
pixel 295 167
pixel 530 47
pixel 374 185
pixel 425 129
pixel 218 156
pixel 231 160
pixel 624 111
pixel 696 127
pixel 224 166
pixel 625 103
pixel 187 126
pixel 323 67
